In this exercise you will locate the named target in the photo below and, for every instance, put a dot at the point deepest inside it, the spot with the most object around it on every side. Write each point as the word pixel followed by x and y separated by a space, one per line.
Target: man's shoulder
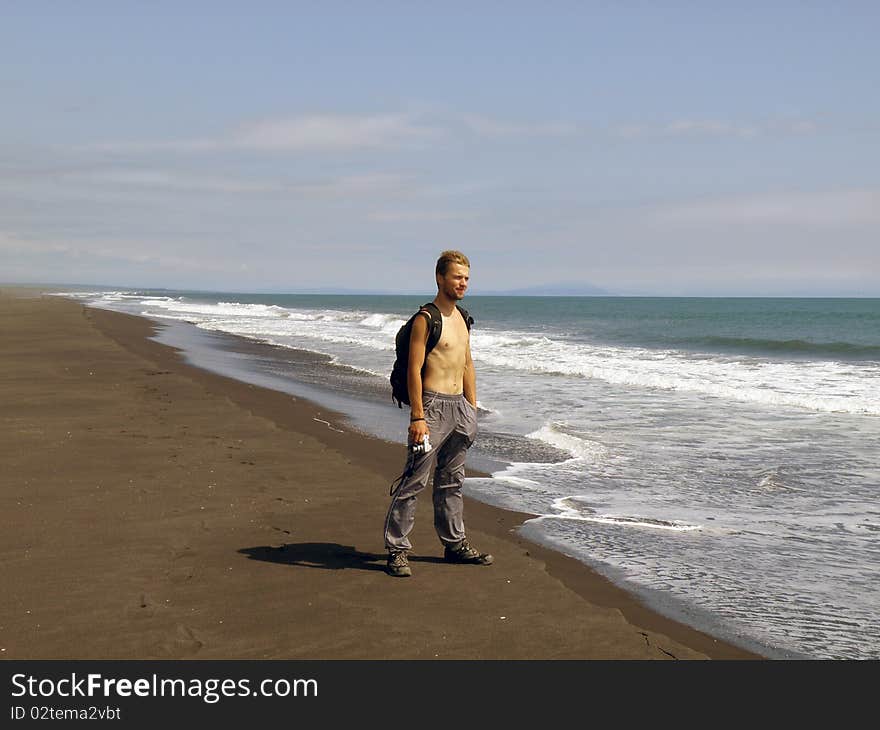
pixel 426 328
pixel 431 311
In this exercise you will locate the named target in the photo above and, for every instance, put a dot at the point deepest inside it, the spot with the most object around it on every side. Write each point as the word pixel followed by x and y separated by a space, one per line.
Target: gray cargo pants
pixel 452 421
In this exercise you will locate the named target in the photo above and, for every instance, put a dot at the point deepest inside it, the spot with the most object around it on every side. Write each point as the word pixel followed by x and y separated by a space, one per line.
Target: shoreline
pixel 628 628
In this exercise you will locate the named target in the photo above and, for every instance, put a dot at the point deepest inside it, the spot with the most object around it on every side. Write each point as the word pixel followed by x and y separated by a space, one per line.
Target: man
pixel 442 390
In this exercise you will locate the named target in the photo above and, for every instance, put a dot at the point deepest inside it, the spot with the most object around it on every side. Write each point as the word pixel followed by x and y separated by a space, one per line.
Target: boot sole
pixel 400 573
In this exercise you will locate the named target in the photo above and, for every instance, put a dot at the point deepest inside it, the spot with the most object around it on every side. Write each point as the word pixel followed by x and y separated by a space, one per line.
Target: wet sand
pixel 154 510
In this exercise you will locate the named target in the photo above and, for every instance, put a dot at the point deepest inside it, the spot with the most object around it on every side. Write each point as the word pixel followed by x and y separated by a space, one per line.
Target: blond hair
pixel 450 257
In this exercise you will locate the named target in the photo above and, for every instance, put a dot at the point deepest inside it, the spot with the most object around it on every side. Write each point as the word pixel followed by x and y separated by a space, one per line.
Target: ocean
pixel 717 457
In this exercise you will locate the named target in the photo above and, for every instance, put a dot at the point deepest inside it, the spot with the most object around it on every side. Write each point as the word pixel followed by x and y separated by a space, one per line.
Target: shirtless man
pixel 443 396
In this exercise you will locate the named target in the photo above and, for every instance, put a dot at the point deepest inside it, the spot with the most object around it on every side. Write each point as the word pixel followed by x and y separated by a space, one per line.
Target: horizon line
pixel 342 291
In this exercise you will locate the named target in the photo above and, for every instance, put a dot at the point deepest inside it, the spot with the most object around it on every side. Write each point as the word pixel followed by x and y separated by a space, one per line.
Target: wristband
pixel 413 420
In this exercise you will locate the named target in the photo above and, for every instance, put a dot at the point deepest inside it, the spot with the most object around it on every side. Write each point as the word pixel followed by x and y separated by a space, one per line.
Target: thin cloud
pixel 718 128
pixel 490 127
pixel 710 127
pixel 12 243
pixel 331 132
pixel 839 208
pixel 119 183
pixel 173 181
pixel 315 133
pixel 407 216
pixel 357 185
pixel 338 132
pixel 150 146
pixel 794 126
pixel 307 133
pixel 122 250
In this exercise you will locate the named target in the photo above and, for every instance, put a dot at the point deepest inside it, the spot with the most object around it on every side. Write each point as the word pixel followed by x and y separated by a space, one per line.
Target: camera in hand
pixel 422 448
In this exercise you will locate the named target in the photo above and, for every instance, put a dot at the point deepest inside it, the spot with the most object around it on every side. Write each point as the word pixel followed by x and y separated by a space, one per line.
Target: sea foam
pixel 823 386
pixel 579 448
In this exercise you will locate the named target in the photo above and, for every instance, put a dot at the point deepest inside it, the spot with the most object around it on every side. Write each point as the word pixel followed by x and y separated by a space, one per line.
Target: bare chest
pixel 454 336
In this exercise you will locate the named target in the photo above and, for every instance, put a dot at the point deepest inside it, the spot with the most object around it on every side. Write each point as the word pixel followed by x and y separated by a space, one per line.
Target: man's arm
pixel 469 377
pixel 418 339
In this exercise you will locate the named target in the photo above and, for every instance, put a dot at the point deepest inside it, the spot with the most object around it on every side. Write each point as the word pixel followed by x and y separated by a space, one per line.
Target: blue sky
pixel 646 148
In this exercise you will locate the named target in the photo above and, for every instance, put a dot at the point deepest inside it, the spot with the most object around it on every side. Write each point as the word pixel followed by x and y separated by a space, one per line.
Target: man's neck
pixel 445 304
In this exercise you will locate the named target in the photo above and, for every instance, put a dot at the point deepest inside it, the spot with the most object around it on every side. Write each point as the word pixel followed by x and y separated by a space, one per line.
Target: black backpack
pixel 399 387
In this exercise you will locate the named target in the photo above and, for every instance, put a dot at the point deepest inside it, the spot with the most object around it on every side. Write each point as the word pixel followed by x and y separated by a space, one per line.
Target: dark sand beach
pixel 153 510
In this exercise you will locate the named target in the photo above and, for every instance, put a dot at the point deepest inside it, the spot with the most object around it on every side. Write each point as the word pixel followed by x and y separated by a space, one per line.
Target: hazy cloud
pixel 12 243
pixel 338 133
pixel 839 208
pixel 172 181
pixel 331 132
pixel 356 185
pixel 715 128
pixel 429 216
pixel 306 133
pixel 140 252
pixel 119 183
pixel 489 127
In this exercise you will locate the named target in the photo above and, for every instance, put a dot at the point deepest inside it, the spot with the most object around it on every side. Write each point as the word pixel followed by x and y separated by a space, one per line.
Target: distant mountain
pixel 560 289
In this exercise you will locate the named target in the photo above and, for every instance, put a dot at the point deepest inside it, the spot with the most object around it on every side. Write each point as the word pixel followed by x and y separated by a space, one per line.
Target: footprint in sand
pixel 183 643
pixel 182 556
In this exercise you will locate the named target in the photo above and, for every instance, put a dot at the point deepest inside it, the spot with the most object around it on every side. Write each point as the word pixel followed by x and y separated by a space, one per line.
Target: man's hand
pixel 417 431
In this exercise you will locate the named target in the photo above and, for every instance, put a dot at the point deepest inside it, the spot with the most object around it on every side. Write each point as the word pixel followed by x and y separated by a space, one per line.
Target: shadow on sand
pixel 327 555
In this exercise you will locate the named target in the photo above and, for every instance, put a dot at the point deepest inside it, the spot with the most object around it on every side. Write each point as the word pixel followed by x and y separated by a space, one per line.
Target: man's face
pixel 454 282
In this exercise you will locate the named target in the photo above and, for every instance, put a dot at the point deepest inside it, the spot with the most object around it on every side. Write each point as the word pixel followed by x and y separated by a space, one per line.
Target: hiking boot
pixel 398 566
pixel 464 553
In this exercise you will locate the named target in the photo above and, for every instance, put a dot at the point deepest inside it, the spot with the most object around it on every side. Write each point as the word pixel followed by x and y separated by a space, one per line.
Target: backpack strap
pixel 435 325
pixel 468 320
